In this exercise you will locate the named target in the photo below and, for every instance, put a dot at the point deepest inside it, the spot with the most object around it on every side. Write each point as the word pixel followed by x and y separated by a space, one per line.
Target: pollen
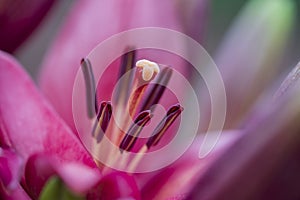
pixel 149 69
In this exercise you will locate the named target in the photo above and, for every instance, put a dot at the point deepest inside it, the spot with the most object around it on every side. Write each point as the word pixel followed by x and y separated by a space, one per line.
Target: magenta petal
pixel 249 57
pixel 29 121
pixel 17 194
pixel 18 19
pixel 11 166
pixel 38 170
pixel 289 83
pixel 116 185
pixel 179 178
pixel 77 177
pixel 263 163
pixel 194 16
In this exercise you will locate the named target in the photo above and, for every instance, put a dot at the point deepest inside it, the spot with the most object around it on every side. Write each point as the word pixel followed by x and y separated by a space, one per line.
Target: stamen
pixel 130 138
pixel 158 89
pixel 89 79
pixel 157 134
pixel 102 121
pixel 127 64
pixel 165 123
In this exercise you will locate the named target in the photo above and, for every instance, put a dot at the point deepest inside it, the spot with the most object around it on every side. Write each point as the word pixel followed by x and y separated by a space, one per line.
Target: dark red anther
pixel 103 118
pixel 165 123
pixel 131 136
pixel 158 89
pixel 127 63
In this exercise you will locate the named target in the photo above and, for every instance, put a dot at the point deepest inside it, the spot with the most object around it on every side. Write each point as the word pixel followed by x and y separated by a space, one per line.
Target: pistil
pixel 145 72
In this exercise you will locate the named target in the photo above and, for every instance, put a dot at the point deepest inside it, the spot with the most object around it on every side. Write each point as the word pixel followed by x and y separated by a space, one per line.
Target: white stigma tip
pixel 149 68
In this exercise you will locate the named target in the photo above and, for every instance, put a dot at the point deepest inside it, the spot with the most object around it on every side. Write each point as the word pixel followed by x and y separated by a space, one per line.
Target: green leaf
pixel 56 189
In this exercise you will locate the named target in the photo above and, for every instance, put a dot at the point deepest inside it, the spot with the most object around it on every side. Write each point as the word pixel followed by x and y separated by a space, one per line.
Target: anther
pixel 158 89
pixel 131 136
pixel 127 63
pixel 157 134
pixel 89 79
pixel 165 123
pixel 102 121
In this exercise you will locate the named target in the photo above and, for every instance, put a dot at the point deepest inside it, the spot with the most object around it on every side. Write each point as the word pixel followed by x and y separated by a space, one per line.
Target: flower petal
pixel 18 20
pixel 29 122
pixel 11 166
pixel 18 193
pixel 249 56
pixel 291 81
pixel 115 185
pixel 40 167
pixel 264 162
pixel 179 178
pixel 194 17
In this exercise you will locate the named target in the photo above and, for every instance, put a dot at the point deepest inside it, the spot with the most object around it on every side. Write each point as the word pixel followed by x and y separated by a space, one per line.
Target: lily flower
pixel 58 165
pixel 41 119
pixel 55 157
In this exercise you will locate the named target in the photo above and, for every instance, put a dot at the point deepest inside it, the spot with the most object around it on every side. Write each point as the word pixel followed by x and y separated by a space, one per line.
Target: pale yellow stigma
pixel 149 69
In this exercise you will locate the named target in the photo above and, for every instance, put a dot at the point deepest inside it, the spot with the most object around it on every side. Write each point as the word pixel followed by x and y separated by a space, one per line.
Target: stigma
pixel 149 69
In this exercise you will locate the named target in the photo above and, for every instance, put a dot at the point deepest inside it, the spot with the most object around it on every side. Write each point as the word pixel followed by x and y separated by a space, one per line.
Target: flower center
pixel 133 96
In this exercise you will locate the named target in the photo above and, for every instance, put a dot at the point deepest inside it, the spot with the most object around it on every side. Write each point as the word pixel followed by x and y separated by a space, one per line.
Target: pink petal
pixel 194 17
pixel 77 177
pixel 116 185
pixel 38 170
pixel 264 162
pixel 11 166
pixel 291 81
pixel 19 19
pixel 251 52
pixel 18 194
pixel 29 121
pixel 179 178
